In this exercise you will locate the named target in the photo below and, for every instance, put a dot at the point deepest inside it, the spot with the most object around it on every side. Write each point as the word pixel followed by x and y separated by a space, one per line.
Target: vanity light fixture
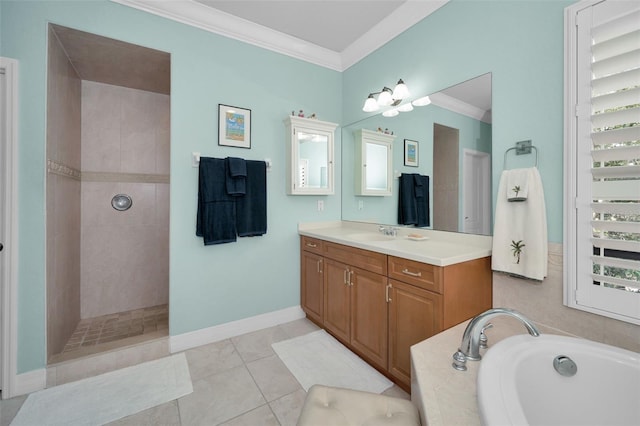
pixel 386 97
pixel 391 112
pixel 423 101
pixel 405 107
pixel 401 90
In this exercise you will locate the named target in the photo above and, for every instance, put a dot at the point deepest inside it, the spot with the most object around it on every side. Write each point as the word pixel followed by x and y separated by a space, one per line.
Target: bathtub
pixel 518 383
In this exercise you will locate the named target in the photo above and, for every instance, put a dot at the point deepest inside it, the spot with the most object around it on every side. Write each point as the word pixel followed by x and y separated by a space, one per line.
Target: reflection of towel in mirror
pixel 251 210
pixel 517 184
pixel 236 176
pixel 520 230
pixel 413 200
pixel 216 219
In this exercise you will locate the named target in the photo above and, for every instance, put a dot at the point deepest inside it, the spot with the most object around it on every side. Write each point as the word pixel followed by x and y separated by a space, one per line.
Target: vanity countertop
pixel 437 248
pixel 443 395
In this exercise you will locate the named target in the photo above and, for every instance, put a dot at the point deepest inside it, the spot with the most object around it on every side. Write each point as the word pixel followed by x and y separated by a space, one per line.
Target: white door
pixel 2 208
pixel 8 223
pixel 476 192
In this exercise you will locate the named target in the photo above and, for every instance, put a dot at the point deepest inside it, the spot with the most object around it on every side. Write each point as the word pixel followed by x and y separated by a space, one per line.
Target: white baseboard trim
pixel 29 382
pixel 216 333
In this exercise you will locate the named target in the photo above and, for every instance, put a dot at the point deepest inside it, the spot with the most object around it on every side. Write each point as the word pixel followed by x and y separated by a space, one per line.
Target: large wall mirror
pixel 453 135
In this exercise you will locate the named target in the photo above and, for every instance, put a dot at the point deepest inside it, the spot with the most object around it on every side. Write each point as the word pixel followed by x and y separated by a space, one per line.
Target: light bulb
pixel 384 98
pixel 370 104
pixel 401 90
pixel 425 100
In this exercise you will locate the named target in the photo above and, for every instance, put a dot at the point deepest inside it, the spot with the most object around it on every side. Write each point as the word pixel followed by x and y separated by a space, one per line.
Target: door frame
pixel 485 164
pixel 8 279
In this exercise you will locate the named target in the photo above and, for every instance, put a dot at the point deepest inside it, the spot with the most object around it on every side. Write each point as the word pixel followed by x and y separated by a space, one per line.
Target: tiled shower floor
pixel 93 335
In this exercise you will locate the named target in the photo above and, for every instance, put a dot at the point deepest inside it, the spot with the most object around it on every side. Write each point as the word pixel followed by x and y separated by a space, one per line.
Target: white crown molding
pixel 198 15
pixel 456 105
pixel 408 14
pixel 209 19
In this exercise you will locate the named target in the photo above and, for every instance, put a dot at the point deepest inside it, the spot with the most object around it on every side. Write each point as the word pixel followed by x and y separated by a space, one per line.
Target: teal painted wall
pixel 208 285
pixel 520 42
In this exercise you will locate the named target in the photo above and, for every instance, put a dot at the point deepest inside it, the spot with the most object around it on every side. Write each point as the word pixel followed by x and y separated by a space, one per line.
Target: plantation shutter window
pixel 607 159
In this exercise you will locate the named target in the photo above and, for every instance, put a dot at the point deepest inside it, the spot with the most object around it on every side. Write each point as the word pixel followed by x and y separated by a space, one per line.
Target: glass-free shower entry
pixel 108 135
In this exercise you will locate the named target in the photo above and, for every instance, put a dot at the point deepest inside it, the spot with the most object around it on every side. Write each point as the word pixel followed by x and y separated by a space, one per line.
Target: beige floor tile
pixel 220 397
pixel 262 416
pixel 273 378
pixel 287 409
pixel 298 327
pixel 256 345
pixel 162 415
pixel 397 392
pixel 9 408
pixel 212 359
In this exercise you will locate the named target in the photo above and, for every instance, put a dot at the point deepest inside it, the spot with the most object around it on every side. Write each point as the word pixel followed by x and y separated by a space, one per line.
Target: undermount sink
pixel 369 237
pixel 558 380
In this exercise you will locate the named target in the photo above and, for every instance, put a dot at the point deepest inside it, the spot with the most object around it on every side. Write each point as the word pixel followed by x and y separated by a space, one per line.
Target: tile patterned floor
pixel 236 382
pixel 109 328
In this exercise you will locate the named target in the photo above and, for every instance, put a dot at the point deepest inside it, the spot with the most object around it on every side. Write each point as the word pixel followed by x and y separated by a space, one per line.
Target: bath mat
pixel 318 358
pixel 110 396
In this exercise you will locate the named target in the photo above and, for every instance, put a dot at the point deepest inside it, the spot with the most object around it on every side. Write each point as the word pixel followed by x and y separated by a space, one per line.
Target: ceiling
pixel 310 26
pixel 331 24
pixel 332 33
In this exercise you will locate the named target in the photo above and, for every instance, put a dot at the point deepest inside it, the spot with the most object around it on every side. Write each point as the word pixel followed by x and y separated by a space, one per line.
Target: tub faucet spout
pixel 470 345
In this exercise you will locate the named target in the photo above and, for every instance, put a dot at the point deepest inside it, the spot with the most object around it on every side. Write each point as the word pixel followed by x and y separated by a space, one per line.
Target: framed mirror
pixel 453 133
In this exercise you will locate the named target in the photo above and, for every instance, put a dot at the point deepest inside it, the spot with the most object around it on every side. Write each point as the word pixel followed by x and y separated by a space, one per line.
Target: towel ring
pixel 519 151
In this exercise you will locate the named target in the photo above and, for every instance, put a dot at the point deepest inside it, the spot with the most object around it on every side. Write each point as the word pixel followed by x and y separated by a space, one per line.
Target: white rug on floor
pixel 110 396
pixel 318 358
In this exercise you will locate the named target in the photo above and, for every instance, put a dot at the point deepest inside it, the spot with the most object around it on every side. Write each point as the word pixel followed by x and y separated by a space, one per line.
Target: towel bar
pixel 522 147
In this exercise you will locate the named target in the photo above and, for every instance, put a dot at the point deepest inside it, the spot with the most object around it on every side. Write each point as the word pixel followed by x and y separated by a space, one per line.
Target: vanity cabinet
pixel 374 163
pixel 355 301
pixel 414 315
pixel 310 156
pixel 312 271
pixel 380 305
pixel 427 299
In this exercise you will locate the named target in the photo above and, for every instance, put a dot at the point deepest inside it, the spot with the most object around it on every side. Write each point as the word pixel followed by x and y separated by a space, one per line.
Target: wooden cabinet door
pixel 312 285
pixel 414 315
pixel 369 315
pixel 337 300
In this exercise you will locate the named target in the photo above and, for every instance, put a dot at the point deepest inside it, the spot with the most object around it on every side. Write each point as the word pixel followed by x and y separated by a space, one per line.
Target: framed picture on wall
pixel 234 126
pixel 410 153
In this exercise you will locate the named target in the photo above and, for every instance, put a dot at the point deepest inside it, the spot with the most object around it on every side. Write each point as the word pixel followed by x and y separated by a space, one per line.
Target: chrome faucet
pixel 471 339
pixel 388 230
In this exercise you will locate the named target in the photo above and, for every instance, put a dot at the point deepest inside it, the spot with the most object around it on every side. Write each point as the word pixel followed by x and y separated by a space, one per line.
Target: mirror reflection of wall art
pixel 234 126
pixel 410 153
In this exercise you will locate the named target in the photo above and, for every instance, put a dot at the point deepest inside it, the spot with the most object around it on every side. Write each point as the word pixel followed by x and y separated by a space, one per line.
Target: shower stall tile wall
pixel 103 140
pixel 63 198
pixel 125 254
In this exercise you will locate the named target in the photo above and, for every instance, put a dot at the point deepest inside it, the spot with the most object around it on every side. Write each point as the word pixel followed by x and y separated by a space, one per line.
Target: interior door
pixel 476 188
pixel 2 208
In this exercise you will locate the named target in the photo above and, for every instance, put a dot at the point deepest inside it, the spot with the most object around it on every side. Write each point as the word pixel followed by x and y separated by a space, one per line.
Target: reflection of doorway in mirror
pixel 445 177
pixel 476 189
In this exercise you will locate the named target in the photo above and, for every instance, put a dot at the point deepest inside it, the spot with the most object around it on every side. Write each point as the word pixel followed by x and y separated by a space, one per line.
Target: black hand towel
pixel 215 220
pixel 251 210
pixel 236 176
pixel 413 200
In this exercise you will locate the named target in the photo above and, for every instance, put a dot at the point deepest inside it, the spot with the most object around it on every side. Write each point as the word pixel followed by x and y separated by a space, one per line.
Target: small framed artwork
pixel 234 126
pixel 410 153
